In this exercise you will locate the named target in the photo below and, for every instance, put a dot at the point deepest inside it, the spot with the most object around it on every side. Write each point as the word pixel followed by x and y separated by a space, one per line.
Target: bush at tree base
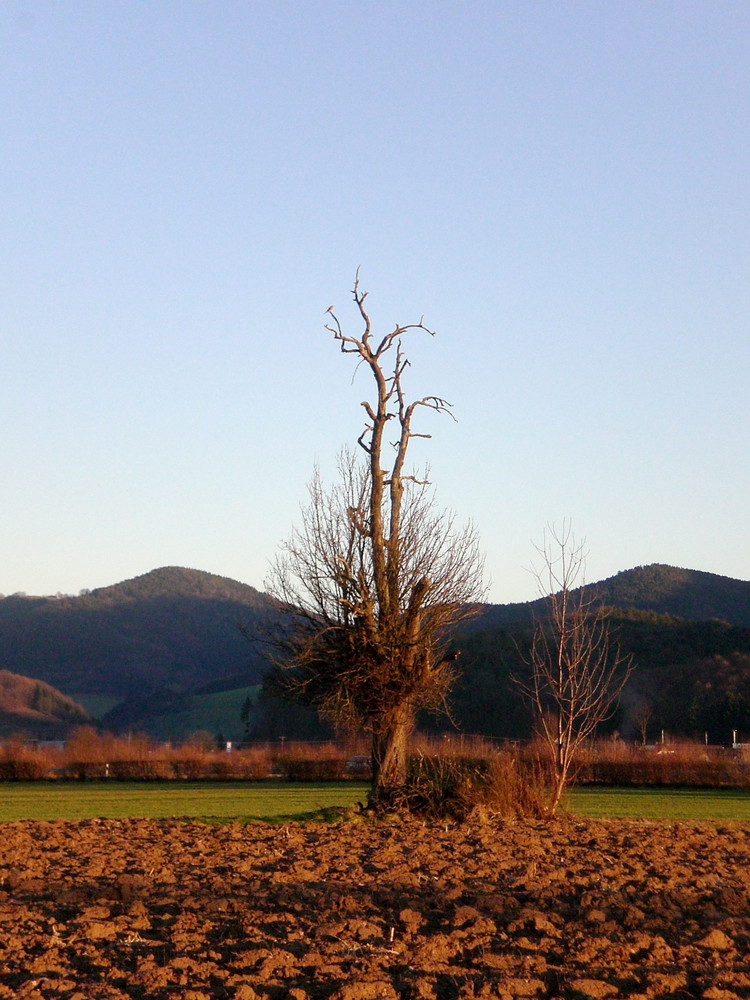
pixel 457 785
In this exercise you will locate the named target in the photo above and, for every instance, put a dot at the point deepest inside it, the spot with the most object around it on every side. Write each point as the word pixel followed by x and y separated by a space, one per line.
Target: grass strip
pixel 694 804
pixel 217 801
pixel 170 799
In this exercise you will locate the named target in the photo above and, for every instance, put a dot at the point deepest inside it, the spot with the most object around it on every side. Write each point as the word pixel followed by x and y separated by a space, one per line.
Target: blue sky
pixel 560 188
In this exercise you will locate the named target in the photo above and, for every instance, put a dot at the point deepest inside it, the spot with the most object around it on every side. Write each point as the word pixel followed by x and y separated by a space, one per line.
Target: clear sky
pixel 561 188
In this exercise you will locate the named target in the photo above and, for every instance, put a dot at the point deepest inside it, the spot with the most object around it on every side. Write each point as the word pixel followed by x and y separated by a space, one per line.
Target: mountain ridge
pixel 694 595
pixel 623 586
pixel 154 642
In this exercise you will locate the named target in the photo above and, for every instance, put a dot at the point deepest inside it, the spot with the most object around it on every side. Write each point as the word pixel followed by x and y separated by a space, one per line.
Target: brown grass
pixel 686 764
pixel 90 755
pixel 455 784
pixel 456 765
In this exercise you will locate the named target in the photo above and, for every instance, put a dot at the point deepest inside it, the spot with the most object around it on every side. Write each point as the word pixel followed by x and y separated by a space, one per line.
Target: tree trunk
pixel 389 743
pixel 559 781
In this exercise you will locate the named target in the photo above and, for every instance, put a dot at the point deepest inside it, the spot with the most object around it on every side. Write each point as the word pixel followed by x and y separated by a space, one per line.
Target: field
pixel 104 893
pixel 168 799
pixel 659 803
pixel 163 909
pixel 217 712
pixel 267 800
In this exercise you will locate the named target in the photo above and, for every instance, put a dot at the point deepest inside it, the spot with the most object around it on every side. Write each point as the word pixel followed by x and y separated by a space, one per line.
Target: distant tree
pixel 576 673
pixel 247 707
pixel 42 699
pixel 246 714
pixel 202 739
pixel 642 717
pixel 376 578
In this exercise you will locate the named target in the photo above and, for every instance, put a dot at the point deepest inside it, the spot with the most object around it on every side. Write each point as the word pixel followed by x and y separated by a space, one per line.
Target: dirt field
pixel 135 908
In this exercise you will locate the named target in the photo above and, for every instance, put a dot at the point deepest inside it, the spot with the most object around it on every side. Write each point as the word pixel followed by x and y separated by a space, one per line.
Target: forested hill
pixel 687 631
pixel 172 628
pixel 684 593
pixel 175 582
pixel 35 708
pixel 141 650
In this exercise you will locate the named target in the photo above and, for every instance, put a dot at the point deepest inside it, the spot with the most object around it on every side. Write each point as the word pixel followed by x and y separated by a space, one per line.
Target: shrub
pixel 671 764
pixel 254 763
pixel 136 759
pixel 87 754
pixel 310 762
pixel 189 761
pixel 21 762
pixel 325 769
pixel 247 764
pixel 458 785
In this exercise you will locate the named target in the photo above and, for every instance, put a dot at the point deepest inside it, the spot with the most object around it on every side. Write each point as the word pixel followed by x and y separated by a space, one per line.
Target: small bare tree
pixel 577 674
pixel 642 717
pixel 376 577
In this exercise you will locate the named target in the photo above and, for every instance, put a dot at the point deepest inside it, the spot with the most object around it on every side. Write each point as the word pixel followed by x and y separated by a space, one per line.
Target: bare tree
pixel 377 576
pixel 577 674
pixel 642 717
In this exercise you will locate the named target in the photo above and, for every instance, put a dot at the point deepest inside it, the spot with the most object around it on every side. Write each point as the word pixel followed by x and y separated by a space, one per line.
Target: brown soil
pixel 363 911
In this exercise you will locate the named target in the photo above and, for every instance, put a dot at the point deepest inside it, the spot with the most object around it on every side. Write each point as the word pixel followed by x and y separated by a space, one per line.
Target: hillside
pixel 688 633
pixel 684 593
pixel 692 678
pixel 166 633
pixel 667 590
pixel 163 653
pixel 35 708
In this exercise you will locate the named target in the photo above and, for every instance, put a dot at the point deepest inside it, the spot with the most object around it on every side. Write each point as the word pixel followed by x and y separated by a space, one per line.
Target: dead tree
pixel 577 673
pixel 377 576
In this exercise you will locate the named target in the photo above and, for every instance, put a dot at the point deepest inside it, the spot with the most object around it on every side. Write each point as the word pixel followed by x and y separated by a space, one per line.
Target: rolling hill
pixel 667 590
pixel 163 652
pixel 129 651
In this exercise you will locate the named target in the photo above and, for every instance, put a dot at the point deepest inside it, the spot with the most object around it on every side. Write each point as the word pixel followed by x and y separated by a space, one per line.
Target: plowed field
pixel 359 911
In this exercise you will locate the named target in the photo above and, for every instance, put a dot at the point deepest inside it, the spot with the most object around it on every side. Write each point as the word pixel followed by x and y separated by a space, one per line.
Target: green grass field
pixel 216 712
pixel 659 803
pixel 162 800
pixel 248 800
